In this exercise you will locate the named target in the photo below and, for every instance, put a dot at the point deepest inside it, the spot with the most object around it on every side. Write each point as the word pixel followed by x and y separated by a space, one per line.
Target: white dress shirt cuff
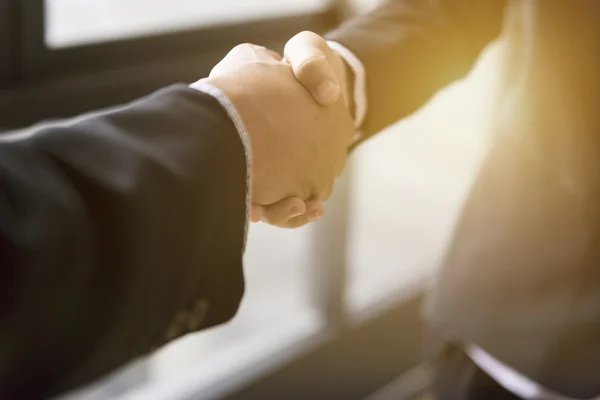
pixel 360 81
pixel 233 114
pixel 512 380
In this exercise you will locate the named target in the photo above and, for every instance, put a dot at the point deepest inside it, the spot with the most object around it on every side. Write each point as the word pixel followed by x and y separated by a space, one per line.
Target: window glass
pixel 75 22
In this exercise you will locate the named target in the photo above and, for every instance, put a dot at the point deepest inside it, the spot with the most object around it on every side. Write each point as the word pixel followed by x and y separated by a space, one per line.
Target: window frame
pixel 42 62
pixel 44 83
pixel 356 362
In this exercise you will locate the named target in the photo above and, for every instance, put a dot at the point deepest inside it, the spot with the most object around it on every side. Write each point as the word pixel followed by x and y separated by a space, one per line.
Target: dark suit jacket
pixel 118 232
pixel 522 276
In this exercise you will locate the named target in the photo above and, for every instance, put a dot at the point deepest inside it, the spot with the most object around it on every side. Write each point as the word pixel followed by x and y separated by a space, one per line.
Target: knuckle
pixel 296 222
pixel 306 39
pixel 303 35
pixel 241 46
pixel 310 37
pixel 274 214
pixel 246 47
pixel 314 63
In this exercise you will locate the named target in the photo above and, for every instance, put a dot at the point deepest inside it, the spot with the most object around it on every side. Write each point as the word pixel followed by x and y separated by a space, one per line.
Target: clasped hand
pixel 300 127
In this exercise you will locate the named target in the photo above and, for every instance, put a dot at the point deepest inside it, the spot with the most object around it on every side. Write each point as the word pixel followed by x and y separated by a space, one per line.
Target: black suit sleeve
pixel 412 48
pixel 118 232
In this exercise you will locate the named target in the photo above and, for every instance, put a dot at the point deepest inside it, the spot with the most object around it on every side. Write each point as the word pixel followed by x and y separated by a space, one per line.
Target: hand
pixel 321 70
pixel 298 147
pixel 325 75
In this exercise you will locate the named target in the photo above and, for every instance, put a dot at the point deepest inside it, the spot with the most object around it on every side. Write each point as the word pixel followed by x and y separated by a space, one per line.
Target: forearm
pixel 111 228
pixel 412 48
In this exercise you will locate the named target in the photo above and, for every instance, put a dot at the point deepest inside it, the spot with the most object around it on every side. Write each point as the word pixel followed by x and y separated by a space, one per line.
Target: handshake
pixel 297 114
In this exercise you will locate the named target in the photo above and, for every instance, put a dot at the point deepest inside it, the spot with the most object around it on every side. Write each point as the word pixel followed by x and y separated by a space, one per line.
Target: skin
pixel 299 147
pixel 327 78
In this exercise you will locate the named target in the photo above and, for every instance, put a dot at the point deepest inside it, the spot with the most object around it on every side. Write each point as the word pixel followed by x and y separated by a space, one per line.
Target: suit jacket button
pixel 198 314
pixel 177 327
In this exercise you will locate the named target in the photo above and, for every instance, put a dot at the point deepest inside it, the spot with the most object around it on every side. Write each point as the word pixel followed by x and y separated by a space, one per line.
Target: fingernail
pixel 313 216
pixel 328 91
pixel 255 217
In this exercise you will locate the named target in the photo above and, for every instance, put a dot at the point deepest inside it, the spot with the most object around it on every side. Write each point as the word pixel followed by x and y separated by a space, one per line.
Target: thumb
pixel 309 55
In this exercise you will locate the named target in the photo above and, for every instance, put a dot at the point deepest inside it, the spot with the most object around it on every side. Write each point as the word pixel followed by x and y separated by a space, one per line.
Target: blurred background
pixel 328 304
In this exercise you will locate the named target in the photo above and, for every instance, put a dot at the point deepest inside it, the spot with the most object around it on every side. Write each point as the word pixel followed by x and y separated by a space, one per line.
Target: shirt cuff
pixel 233 114
pixel 508 378
pixel 360 82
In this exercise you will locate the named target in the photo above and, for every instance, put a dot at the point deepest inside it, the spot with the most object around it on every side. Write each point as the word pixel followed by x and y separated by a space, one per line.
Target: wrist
pixel 246 105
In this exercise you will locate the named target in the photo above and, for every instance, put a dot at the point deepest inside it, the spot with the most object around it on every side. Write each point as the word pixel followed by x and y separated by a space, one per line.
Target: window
pixel 408 188
pixel 77 22
pixel 72 56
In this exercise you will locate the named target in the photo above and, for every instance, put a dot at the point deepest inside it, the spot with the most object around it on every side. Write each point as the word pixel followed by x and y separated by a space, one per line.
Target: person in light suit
pixel 516 306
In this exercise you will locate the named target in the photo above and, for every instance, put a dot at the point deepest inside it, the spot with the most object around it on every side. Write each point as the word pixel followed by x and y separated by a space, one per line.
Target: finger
pixel 261 53
pixel 316 207
pixel 242 54
pixel 255 213
pixel 308 54
pixel 315 210
pixel 326 192
pixel 275 55
pixel 277 214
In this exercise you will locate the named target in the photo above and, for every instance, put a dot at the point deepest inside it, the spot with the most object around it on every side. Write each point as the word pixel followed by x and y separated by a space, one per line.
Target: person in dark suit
pixel 123 230
pixel 517 302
